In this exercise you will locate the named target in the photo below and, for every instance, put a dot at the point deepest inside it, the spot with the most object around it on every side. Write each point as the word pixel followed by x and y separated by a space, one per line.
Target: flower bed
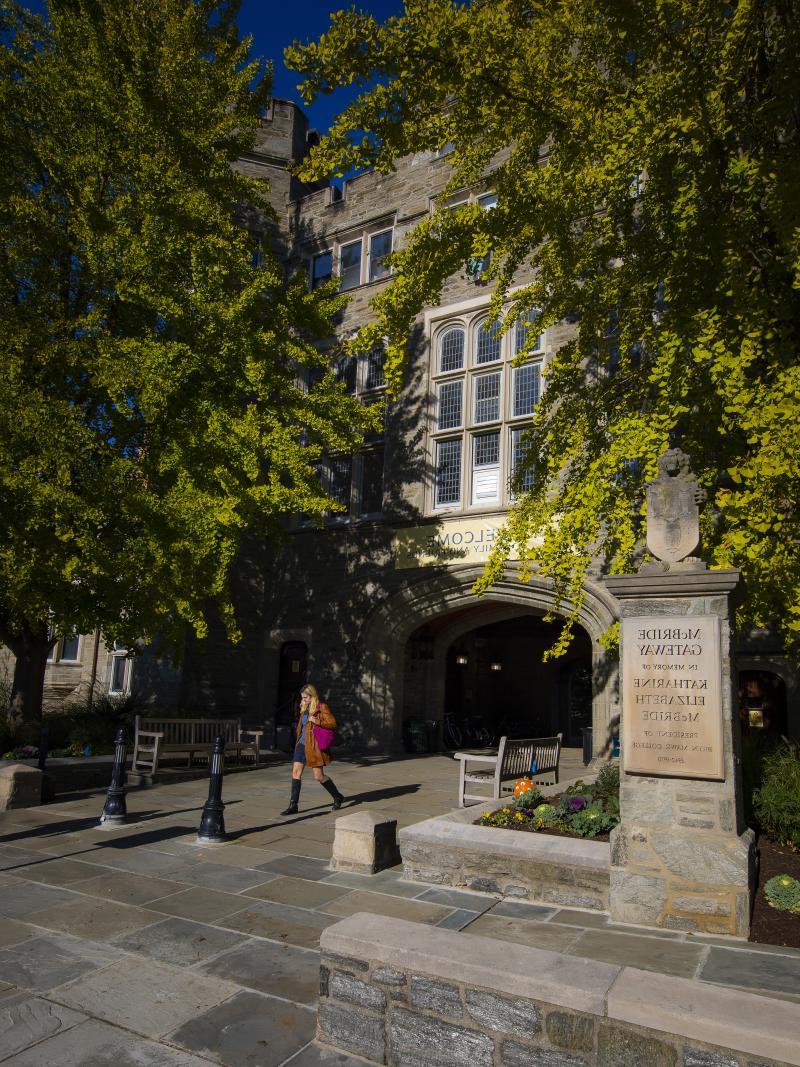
pixel 580 811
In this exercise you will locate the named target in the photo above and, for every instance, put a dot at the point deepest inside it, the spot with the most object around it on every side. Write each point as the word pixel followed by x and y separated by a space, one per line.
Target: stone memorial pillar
pixel 681 857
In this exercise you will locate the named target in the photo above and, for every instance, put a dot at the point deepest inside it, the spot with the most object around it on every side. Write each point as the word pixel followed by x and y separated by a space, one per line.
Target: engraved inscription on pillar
pixel 673 517
pixel 672 683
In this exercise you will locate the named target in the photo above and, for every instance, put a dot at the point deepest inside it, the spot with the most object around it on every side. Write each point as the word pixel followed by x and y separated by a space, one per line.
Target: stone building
pixel 377 608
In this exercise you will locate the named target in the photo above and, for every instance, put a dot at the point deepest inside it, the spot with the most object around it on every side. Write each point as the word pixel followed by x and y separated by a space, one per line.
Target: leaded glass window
pixel 451 351
pixel 487 397
pixel 448 472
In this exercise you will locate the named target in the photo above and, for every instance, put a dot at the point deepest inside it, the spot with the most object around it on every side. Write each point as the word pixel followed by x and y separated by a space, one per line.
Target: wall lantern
pixel 495 666
pixel 462 660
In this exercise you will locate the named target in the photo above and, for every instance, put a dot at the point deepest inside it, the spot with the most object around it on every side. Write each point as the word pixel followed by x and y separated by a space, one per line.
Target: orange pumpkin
pixel 522 785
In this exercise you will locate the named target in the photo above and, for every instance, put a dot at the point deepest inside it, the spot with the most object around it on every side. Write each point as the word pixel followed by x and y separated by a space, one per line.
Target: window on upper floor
pixel 65 650
pixel 350 265
pixel 321 269
pixel 482 406
pixel 120 669
pixel 380 246
pixel 357 258
pixel 356 482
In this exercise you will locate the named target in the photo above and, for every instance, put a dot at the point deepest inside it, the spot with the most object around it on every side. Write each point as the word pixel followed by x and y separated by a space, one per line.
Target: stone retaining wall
pixel 408 995
pixel 452 850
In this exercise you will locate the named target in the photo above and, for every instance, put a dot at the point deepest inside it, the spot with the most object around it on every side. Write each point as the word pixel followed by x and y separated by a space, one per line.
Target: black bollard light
pixel 115 810
pixel 212 821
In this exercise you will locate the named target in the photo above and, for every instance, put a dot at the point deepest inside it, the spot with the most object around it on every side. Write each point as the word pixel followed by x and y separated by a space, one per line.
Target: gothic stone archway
pixel 386 630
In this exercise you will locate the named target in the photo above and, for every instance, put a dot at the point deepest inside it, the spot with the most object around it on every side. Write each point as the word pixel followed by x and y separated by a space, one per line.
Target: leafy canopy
pixel 150 413
pixel 646 160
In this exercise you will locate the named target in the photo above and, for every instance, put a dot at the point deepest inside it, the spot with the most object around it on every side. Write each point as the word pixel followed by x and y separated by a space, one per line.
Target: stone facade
pixel 376 629
pixel 681 857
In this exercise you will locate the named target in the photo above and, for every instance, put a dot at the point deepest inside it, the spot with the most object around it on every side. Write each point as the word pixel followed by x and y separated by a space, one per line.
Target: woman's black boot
pixel 292 809
pixel 334 792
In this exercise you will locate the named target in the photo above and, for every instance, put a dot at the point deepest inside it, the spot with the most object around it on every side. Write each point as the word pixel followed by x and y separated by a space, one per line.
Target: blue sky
pixel 274 25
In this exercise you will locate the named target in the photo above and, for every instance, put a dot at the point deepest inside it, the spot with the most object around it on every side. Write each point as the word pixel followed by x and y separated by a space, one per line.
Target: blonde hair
pixel 314 702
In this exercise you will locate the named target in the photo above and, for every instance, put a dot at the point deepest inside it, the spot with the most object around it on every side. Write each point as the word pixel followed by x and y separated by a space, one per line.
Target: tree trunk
pixel 31 648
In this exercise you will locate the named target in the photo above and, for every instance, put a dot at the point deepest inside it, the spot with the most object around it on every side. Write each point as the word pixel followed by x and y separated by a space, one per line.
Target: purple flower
pixel 576 804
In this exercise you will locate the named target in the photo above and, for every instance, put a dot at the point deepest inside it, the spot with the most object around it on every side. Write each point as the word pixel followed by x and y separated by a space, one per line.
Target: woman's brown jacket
pixel 315 758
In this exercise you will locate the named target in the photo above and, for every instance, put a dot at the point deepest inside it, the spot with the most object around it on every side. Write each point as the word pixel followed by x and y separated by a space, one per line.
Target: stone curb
pixel 457 828
pixel 746 1022
pixel 680 1007
pixel 515 969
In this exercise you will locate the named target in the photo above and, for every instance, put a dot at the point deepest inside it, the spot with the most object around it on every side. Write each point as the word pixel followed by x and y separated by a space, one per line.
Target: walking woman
pixel 307 752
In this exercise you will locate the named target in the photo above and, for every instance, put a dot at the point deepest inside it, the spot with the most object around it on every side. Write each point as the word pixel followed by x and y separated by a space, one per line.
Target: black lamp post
pixel 115 810
pixel 212 821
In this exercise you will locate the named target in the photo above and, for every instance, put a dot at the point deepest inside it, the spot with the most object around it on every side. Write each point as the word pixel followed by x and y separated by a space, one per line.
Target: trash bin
pixel 615 747
pixel 588 745
pixel 432 735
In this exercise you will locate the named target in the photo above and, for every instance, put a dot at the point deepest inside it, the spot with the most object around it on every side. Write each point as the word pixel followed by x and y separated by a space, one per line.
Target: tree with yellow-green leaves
pixel 646 159
pixel 150 410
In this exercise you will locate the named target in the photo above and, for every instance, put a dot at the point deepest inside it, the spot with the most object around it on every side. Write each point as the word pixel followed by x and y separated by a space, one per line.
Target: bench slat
pixel 514 759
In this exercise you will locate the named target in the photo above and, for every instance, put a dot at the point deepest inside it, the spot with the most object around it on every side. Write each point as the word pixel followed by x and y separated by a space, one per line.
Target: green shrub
pixel 755 746
pixel 783 892
pixel 547 817
pixel 777 803
pixel 606 786
pixel 529 799
pixel 592 821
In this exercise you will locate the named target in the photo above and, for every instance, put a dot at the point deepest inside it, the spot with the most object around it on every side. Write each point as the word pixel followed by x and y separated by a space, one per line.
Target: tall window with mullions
pixel 521 445
pixel 448 472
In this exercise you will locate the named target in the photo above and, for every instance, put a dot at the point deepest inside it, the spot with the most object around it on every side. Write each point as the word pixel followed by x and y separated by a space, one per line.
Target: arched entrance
pixel 407 641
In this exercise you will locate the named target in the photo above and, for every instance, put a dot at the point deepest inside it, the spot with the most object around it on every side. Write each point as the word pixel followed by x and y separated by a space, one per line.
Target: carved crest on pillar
pixel 673 515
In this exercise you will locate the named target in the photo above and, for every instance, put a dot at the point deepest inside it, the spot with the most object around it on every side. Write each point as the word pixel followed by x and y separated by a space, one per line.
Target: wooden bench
pixel 513 760
pixel 157 738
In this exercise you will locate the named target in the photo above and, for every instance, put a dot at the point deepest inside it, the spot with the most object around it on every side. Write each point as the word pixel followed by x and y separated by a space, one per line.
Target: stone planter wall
pixel 409 995
pixel 452 850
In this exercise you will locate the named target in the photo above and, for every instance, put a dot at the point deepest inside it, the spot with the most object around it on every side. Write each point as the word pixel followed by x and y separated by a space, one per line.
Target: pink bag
pixel 324 737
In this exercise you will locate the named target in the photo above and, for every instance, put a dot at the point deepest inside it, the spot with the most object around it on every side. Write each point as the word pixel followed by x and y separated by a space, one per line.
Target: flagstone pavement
pixel 136 946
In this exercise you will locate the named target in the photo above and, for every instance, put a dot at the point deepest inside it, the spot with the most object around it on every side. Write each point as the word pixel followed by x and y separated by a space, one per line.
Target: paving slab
pixel 646 953
pixel 299 892
pixel 221 876
pixel 24 900
pixel 248 1031
pixel 12 932
pixel 458 898
pixel 25 1020
pixel 146 996
pixel 517 909
pixel 96 920
pixel 778 974
pixel 536 935
pixel 179 941
pixel 573 917
pixel 298 867
pixel 126 888
pixel 46 962
pixel 384 904
pixel 458 919
pixel 394 886
pixel 232 855
pixel 281 970
pixel 279 922
pixel 96 1044
pixel 309 846
pixel 140 861
pixel 57 871
pixel 201 904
